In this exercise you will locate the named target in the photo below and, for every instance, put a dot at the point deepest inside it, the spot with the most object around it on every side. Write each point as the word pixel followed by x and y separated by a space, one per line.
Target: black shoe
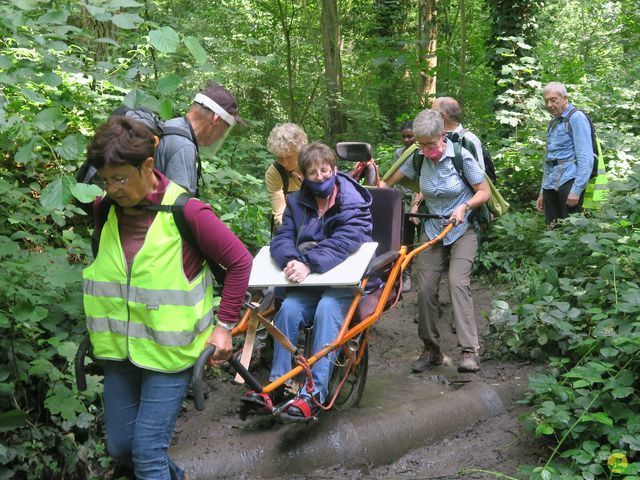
pixel 428 358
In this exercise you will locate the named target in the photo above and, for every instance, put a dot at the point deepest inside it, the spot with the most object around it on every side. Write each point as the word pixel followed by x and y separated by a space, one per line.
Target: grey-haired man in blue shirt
pixel 569 158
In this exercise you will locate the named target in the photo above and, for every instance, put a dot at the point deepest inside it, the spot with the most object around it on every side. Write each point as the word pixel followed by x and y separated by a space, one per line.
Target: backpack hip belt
pixel 554 163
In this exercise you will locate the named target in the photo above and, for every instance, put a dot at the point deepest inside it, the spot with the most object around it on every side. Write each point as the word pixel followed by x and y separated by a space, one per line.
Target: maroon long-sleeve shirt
pixel 215 240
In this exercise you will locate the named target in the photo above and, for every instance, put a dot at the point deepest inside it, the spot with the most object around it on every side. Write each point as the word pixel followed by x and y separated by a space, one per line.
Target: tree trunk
pixel 286 23
pixel 427 44
pixel 463 51
pixel 330 26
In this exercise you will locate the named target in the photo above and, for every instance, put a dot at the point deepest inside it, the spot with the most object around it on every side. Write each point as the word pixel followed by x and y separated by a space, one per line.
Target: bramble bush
pixel 575 306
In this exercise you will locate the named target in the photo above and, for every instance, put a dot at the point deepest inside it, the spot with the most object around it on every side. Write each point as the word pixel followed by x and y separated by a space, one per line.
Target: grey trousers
pixel 428 269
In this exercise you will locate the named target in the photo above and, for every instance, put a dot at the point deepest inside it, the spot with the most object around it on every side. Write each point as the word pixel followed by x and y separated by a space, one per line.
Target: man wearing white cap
pixel 213 113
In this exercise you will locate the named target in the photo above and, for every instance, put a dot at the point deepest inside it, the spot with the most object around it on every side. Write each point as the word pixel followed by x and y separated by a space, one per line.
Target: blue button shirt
pixel 574 155
pixel 444 189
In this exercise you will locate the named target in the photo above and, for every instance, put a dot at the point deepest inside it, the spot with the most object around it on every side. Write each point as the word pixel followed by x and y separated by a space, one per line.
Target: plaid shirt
pixel 444 189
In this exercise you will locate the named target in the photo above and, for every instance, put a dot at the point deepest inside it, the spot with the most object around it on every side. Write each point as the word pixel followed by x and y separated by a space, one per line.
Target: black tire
pixel 353 387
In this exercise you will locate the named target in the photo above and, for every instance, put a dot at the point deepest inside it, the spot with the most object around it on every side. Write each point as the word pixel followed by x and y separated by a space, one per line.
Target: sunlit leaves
pixel 49 119
pixel 72 147
pixel 169 84
pixel 126 20
pixel 85 193
pixel 164 39
pixel 57 194
pixel 196 50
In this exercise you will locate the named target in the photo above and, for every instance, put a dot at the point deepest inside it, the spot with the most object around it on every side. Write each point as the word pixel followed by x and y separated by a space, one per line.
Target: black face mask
pixel 321 189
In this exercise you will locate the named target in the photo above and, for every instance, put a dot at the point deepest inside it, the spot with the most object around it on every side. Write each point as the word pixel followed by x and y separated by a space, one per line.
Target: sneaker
pixel 429 358
pixel 406 282
pixel 469 362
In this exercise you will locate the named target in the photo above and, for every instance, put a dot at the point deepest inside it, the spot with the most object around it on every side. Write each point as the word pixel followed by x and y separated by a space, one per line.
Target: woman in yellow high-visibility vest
pixel 148 296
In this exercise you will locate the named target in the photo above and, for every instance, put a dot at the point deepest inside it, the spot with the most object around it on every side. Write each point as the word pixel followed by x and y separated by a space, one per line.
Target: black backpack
pixel 177 209
pixel 148 117
pixel 468 145
pixel 285 188
pixel 594 138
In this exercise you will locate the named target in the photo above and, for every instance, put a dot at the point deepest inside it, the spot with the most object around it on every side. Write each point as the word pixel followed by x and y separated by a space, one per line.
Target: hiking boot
pixel 406 281
pixel 469 362
pixel 429 358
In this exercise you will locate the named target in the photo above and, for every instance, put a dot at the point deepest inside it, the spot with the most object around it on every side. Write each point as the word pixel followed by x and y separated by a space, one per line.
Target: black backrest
pixel 354 151
pixel 387 213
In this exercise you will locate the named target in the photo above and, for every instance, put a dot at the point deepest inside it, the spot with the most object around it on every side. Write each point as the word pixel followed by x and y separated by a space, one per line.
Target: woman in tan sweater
pixel 283 176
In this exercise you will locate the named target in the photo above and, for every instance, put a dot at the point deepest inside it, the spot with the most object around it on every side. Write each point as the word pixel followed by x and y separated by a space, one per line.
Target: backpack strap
pixel 416 161
pixel 100 220
pixel 458 164
pixel 284 175
pixel 177 209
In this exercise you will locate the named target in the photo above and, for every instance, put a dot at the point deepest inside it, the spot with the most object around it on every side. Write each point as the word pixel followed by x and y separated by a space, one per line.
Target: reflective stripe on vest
pixel 597 188
pixel 152 314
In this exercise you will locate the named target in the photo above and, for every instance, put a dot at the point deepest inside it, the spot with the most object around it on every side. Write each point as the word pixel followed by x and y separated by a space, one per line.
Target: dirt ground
pixel 485 450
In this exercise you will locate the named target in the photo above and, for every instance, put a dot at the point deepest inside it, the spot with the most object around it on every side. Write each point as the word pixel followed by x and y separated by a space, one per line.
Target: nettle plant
pixel 578 311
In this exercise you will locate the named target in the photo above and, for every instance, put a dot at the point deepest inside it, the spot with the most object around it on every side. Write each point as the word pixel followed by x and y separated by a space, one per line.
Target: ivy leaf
pixel 57 194
pixel 169 84
pixel 165 39
pixel 126 21
pixel 67 350
pixel 12 420
pixel 48 119
pixel 72 146
pixel 199 53
pixel 25 312
pixel 64 403
pixel 85 193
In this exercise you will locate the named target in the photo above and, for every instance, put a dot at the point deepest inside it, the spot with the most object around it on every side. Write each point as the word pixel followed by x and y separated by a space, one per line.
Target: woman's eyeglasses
pixel 116 182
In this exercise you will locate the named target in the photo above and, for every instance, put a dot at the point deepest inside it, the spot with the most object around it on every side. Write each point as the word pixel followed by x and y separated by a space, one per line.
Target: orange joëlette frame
pixel 347 333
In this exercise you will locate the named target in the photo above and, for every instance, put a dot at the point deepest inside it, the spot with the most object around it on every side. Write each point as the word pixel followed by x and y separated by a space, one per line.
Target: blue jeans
pixel 140 410
pixel 325 310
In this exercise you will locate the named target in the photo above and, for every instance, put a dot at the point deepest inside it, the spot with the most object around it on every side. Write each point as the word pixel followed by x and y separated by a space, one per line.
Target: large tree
pixel 330 25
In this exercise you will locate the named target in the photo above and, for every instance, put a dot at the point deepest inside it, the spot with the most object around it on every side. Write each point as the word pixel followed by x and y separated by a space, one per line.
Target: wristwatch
pixel 468 206
pixel 225 325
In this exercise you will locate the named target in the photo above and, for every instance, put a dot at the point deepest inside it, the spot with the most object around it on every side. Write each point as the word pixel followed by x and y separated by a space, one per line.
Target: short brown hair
pixel 120 141
pixel 315 153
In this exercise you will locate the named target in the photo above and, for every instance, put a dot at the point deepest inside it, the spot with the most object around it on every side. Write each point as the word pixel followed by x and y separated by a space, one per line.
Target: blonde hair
pixel 286 139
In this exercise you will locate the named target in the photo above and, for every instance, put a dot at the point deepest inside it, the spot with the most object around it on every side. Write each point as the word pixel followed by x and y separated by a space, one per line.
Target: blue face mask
pixel 321 189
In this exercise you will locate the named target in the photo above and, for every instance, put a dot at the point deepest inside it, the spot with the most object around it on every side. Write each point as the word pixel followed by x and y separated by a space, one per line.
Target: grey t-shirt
pixel 176 156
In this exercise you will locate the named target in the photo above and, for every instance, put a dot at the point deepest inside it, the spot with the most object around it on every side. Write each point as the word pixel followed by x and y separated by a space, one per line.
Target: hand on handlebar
pixel 458 214
pixel 220 338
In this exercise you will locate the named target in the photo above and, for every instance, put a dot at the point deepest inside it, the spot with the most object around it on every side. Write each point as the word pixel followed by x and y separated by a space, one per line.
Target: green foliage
pixel 576 306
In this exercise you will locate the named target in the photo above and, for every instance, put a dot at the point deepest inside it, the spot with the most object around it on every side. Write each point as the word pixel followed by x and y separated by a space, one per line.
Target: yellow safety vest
pixel 597 189
pixel 151 314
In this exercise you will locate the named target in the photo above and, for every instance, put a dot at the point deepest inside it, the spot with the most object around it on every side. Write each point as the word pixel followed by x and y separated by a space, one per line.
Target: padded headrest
pixel 354 151
pixel 387 215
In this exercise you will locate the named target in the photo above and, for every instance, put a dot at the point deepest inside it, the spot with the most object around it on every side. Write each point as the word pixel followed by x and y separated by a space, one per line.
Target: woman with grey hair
pixel 445 193
pixel 283 176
